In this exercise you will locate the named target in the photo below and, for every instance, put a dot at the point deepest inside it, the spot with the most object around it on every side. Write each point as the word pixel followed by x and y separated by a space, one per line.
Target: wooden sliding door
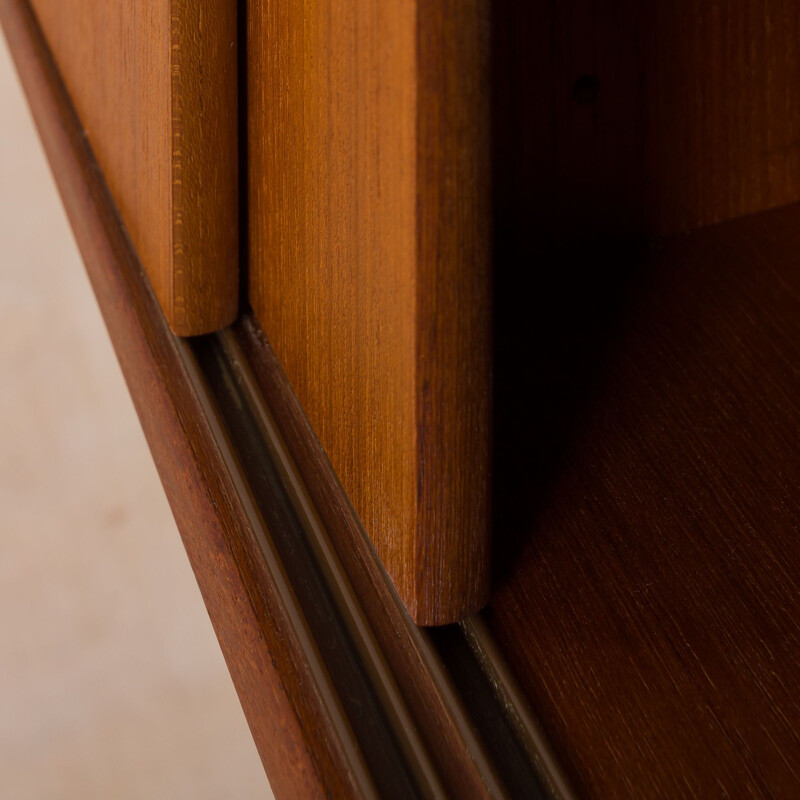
pixel 368 203
pixel 155 86
pixel 369 220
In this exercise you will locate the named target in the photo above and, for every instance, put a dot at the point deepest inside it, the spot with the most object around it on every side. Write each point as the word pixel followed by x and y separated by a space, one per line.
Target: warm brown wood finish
pixel 647 429
pixel 647 395
pixel 458 753
pixel 301 751
pixel 659 115
pixel 306 747
pixel 648 511
pixel 155 85
pixel 369 223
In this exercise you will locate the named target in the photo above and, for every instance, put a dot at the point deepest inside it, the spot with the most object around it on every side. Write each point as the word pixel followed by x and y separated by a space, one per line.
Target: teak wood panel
pixel 155 86
pixel 648 510
pixel 659 117
pixel 369 224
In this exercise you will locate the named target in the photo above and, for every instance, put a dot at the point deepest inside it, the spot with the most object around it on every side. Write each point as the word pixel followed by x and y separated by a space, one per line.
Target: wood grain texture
pixel 292 731
pixel 648 510
pixel 453 743
pixel 252 616
pixel 369 216
pixel 659 117
pixel 155 86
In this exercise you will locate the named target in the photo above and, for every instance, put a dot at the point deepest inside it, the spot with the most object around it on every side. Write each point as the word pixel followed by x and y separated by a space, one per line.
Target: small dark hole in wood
pixel 585 90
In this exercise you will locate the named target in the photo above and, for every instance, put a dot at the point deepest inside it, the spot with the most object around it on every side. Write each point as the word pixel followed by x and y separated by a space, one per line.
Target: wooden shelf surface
pixel 648 504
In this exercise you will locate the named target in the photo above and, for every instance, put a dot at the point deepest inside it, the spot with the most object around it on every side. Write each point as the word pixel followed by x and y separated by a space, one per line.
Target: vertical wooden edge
pixel 424 498
pixel 261 655
pixel 203 293
pixel 453 325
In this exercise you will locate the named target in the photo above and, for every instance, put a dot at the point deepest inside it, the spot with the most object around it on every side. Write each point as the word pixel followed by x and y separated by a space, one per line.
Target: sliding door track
pixel 503 743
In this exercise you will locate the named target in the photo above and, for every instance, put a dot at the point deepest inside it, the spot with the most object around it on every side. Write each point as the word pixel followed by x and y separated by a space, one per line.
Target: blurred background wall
pixel 112 684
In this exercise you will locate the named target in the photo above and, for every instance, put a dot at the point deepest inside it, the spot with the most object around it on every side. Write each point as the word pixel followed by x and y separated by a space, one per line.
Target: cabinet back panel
pixel 658 117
